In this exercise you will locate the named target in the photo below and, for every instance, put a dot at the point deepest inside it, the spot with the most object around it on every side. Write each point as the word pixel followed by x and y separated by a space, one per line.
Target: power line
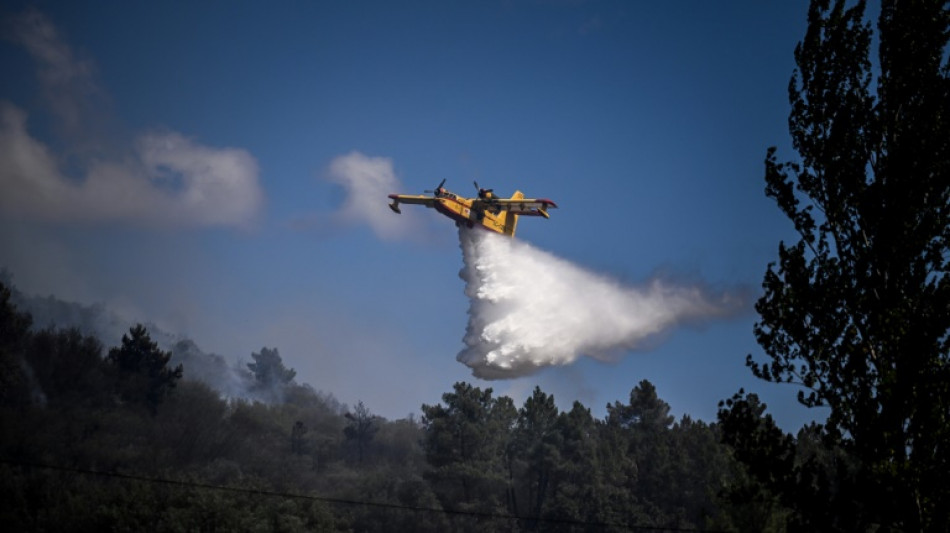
pixel 335 501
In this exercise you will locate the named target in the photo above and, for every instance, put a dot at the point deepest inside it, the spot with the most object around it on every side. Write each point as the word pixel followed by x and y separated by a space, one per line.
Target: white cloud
pixel 219 185
pixel 368 181
pixel 163 179
pixel 170 181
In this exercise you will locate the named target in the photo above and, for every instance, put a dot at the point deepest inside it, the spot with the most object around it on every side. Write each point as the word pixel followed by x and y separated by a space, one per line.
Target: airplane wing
pixel 427 201
pixel 536 207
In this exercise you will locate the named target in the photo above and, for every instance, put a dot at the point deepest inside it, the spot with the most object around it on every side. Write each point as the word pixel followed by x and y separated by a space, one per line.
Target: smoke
pixel 530 309
pixel 67 81
pixel 228 376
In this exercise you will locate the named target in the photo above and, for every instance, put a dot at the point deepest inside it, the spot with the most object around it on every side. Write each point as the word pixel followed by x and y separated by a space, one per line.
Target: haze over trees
pixel 855 314
pixel 121 439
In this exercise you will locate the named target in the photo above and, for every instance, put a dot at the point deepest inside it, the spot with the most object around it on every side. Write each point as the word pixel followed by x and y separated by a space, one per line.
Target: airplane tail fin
pixel 511 219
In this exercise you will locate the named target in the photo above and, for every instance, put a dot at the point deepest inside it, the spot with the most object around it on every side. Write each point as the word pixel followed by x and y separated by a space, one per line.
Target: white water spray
pixel 530 309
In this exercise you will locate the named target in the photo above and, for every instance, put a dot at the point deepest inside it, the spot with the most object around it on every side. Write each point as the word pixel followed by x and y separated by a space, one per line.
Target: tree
pixel 144 374
pixel 578 492
pixel 637 440
pixel 646 411
pixel 856 311
pixel 297 434
pixel 270 374
pixel 699 467
pixel 536 447
pixel 67 367
pixel 753 499
pixel 361 429
pixel 268 368
pixel 466 444
pixel 14 336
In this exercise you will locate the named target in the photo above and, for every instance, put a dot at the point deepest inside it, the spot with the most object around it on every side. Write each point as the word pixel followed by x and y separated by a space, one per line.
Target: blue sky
pixel 185 152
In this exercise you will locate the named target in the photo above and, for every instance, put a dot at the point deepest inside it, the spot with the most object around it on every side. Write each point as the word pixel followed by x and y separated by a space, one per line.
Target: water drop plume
pixel 529 309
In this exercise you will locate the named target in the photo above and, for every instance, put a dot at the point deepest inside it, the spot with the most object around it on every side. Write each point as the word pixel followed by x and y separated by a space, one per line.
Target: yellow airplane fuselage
pixel 460 210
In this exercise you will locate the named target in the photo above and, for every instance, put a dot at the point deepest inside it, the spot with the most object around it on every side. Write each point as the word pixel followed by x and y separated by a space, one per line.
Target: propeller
pixel 480 190
pixel 441 183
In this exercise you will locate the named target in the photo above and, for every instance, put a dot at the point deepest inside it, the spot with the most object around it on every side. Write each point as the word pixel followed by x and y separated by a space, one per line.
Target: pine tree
pixel 143 371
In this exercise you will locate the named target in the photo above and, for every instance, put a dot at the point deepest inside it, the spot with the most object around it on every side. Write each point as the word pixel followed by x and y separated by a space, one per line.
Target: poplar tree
pixel 856 311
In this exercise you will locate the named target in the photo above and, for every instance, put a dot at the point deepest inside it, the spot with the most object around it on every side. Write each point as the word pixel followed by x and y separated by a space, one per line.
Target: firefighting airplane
pixel 486 211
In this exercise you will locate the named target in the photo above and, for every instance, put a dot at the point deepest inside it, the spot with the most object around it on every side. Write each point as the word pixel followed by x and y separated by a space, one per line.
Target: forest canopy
pixel 123 439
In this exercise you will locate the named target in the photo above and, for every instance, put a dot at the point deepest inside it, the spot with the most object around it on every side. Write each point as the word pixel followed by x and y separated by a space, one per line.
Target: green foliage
pixel 566 471
pixel 466 443
pixel 269 369
pixel 272 380
pixel 646 411
pixel 534 456
pixel 855 311
pixel 646 462
pixel 578 481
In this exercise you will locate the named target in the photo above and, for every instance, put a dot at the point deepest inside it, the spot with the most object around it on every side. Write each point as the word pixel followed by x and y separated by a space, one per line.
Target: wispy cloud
pixel 67 82
pixel 164 179
pixel 367 182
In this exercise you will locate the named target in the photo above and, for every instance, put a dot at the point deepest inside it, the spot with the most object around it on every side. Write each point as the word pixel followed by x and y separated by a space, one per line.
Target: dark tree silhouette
pixel 297 434
pixel 14 328
pixel 144 374
pixel 361 429
pixel 857 311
